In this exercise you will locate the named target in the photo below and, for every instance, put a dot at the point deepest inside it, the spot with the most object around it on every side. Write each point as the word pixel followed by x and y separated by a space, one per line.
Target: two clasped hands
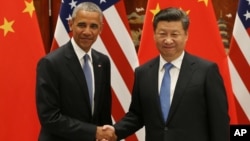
pixel 106 133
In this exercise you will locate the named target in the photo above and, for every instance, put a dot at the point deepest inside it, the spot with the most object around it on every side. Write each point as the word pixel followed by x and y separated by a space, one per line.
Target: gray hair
pixel 87 6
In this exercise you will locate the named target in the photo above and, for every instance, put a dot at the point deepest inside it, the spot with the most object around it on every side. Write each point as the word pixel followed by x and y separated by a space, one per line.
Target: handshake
pixel 105 133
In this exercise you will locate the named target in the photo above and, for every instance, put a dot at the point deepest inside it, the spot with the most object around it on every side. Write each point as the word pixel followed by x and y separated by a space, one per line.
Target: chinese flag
pixel 204 38
pixel 20 49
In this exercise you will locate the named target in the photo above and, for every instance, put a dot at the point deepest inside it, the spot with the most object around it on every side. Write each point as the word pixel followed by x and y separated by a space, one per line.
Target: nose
pixel 168 40
pixel 86 31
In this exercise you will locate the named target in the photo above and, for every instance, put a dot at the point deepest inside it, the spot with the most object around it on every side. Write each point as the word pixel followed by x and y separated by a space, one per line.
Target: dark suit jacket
pixel 199 110
pixel 62 96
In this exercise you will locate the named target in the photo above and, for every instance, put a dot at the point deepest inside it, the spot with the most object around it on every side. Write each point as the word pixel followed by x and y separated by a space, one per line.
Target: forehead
pixel 172 24
pixel 168 25
pixel 87 15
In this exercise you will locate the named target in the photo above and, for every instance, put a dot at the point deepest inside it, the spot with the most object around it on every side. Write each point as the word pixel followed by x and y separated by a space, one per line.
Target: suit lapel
pixel 187 69
pixel 76 69
pixel 154 93
pixel 98 71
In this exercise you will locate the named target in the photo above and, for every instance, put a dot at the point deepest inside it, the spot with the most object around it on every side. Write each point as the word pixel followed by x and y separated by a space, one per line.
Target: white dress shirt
pixel 80 53
pixel 174 73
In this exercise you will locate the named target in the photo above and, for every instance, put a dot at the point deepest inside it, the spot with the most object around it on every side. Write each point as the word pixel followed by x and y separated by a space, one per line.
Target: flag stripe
pixel 120 91
pixel 118 107
pixel 239 60
pixel 241 115
pixel 117 83
pixel 119 113
pixel 114 20
pixel 117 55
pixel 242 67
pixel 240 90
pixel 241 36
pixel 61 35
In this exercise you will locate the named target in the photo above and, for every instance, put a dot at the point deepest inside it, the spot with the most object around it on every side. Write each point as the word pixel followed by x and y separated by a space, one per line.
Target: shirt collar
pixel 176 63
pixel 79 52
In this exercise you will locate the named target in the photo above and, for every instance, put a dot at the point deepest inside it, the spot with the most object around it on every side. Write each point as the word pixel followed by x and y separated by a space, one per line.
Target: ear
pixel 101 28
pixel 186 35
pixel 154 36
pixel 70 23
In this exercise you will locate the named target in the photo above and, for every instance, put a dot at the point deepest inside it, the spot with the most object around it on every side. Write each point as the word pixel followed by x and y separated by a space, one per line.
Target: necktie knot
pixel 168 66
pixel 86 58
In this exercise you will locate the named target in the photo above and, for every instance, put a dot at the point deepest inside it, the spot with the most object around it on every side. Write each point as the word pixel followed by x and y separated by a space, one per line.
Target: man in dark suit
pixel 68 109
pixel 198 103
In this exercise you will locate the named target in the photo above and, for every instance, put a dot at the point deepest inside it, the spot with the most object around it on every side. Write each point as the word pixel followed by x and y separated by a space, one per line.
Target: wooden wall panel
pixel 55 6
pixel 225 11
pixel 42 11
pixel 47 19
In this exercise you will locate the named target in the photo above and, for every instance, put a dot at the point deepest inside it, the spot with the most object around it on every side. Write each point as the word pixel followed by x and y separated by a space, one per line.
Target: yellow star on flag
pixel 205 1
pixel 29 8
pixel 187 11
pixel 7 26
pixel 156 10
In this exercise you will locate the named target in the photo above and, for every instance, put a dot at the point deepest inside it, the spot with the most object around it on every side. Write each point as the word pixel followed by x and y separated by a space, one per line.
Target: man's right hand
pixel 106 133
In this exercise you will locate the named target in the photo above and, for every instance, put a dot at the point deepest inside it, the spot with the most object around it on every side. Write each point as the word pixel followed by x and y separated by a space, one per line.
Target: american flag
pixel 239 61
pixel 114 41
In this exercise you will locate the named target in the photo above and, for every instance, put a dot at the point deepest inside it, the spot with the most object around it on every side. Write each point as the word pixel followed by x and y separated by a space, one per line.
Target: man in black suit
pixel 198 103
pixel 68 109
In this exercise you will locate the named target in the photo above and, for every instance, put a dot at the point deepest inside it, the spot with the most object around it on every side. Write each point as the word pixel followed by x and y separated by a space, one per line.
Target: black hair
pixel 171 14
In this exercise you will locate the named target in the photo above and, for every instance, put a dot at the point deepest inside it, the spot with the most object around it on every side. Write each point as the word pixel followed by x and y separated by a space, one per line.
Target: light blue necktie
pixel 165 91
pixel 88 76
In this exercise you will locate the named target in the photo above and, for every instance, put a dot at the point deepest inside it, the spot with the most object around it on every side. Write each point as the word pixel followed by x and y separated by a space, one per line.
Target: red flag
pixel 239 61
pixel 20 49
pixel 204 39
pixel 114 41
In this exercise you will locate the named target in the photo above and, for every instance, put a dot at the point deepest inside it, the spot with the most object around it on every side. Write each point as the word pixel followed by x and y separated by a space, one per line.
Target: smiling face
pixel 170 39
pixel 86 26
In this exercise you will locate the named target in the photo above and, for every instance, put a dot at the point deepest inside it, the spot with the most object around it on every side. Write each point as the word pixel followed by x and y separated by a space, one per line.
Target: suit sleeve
pixel 133 119
pixel 105 116
pixel 217 105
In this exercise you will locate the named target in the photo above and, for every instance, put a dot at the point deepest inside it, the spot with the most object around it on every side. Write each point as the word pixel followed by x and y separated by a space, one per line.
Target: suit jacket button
pixel 165 128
